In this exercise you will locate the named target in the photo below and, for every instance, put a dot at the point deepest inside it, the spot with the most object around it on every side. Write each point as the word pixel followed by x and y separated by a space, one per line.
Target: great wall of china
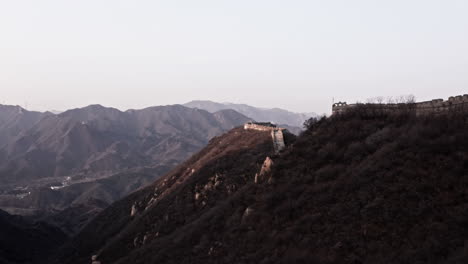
pixel 276 133
pixel 454 103
pixel 437 106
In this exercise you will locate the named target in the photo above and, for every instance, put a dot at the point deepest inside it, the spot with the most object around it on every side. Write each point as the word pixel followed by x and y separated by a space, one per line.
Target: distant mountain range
pixel 51 162
pixel 275 115
pixel 82 142
pixel 66 167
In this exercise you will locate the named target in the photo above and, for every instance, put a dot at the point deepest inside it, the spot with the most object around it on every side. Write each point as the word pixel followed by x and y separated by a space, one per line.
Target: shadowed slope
pixel 355 188
pixel 22 241
pixel 14 120
pixel 194 190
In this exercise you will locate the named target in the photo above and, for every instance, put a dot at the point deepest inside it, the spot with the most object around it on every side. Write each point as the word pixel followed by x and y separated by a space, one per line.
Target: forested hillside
pixel 361 187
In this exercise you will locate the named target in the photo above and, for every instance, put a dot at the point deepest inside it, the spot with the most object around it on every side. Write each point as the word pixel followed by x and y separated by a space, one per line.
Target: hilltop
pixel 353 188
pixel 14 120
pixel 195 190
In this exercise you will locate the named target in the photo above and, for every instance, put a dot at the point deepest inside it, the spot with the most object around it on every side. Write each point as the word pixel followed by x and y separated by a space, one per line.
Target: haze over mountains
pixel 50 162
pixel 274 115
pixel 15 120
pixel 96 168
pixel 102 139
pixel 65 168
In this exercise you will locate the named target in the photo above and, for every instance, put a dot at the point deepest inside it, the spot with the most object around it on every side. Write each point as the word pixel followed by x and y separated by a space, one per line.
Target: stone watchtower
pixel 276 133
pixel 339 107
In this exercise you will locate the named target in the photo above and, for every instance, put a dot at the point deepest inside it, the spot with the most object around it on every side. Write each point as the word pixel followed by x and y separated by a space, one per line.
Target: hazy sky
pixel 294 54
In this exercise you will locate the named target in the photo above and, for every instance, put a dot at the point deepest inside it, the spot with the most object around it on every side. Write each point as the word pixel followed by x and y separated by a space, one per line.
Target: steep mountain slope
pixel 14 120
pixel 275 115
pixel 101 153
pixel 22 241
pixel 193 191
pixel 363 187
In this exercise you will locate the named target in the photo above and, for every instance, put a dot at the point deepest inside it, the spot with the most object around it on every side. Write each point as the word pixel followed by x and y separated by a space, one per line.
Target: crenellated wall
pixel 454 103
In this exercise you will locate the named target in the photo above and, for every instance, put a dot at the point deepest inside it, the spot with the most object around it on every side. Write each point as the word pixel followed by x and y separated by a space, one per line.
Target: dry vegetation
pixel 367 186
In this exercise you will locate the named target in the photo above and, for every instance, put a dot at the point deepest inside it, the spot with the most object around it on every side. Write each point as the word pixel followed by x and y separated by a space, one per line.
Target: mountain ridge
pixel 14 120
pixel 361 187
pixel 223 153
pixel 275 115
pixel 102 153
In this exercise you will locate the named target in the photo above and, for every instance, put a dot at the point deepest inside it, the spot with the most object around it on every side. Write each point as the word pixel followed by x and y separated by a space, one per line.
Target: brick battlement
pixel 454 103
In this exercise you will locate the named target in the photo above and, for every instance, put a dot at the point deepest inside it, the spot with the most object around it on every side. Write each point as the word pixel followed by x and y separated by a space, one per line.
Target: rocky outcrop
pixel 94 260
pixel 265 170
pixel 174 205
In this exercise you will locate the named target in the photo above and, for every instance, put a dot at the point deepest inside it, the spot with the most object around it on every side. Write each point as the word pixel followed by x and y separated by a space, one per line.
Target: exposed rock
pixel 193 190
pixel 336 199
pixel 94 260
pixel 134 210
pixel 247 212
pixel 265 170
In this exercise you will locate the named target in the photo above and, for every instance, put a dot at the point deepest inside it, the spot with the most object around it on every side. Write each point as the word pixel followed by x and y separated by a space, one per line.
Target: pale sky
pixel 293 54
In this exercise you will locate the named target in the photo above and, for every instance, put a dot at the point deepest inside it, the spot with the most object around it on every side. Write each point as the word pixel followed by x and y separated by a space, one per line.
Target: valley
pixel 95 153
pixel 253 191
